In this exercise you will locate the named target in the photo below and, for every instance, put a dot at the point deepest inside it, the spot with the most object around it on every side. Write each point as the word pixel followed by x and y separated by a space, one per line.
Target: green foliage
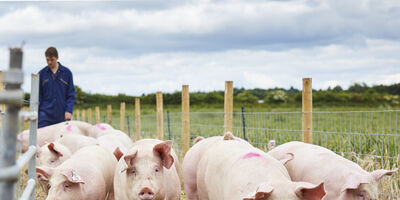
pixel 214 98
pixel 246 97
pixel 276 96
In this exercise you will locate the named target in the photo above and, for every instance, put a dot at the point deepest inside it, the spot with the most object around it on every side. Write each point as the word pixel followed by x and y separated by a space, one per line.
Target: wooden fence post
pixel 89 113
pixel 228 106
pixel 122 117
pixel 84 115
pixel 160 122
pixel 78 115
pixel 109 112
pixel 137 117
pixel 97 114
pixel 307 110
pixel 185 120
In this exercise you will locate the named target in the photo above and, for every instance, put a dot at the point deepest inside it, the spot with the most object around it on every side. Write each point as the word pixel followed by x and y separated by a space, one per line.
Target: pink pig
pixel 114 139
pixel 100 129
pixel 147 172
pixel 53 154
pixel 48 134
pixel 231 169
pixel 191 160
pixel 344 179
pixel 87 175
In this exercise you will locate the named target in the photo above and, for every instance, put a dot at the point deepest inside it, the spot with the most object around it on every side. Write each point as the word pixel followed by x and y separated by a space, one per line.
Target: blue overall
pixel 56 95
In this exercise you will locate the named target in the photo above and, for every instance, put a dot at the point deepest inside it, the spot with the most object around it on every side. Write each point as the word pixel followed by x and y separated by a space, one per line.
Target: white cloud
pixel 207 71
pixel 203 43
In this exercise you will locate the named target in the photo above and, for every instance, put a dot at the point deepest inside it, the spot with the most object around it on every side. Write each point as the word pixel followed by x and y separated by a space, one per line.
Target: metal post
pixel 244 125
pixel 7 158
pixel 34 104
pixel 169 130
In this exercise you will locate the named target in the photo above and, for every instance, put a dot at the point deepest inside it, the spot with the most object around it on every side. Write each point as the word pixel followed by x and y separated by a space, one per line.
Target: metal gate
pixel 13 98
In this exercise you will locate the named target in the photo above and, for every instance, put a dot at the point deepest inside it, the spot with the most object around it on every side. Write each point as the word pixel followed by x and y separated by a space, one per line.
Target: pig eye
pixel 156 169
pixel 132 171
pixel 66 186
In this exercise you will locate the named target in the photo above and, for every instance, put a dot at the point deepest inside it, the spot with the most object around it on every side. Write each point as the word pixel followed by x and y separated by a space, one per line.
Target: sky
pixel 144 46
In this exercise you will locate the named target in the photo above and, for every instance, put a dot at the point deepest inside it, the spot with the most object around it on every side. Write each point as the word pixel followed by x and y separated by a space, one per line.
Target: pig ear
pixel 44 173
pixel 197 139
pixel 54 149
pixel 263 191
pixel 229 136
pixel 129 158
pixel 378 174
pixel 72 176
pixel 164 151
pixel 308 191
pixel 288 157
pixel 353 183
pixel 118 153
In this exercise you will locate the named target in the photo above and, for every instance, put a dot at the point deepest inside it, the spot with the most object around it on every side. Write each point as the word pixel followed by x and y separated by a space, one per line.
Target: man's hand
pixel 68 116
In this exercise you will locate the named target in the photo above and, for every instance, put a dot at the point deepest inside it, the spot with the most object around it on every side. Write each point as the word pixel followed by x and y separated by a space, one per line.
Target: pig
pixel 192 158
pixel 233 170
pixel 147 172
pixel 344 179
pixel 48 134
pixel 54 153
pixel 87 175
pixel 100 129
pixel 84 127
pixel 115 138
pixel 111 142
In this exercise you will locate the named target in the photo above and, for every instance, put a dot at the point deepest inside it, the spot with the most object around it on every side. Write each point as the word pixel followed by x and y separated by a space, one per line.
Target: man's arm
pixel 70 98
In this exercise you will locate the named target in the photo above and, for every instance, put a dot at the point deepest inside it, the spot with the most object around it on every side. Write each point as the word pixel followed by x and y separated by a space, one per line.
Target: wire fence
pixel 369 138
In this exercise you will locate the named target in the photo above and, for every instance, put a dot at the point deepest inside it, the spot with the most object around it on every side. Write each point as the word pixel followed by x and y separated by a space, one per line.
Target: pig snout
pixel 146 194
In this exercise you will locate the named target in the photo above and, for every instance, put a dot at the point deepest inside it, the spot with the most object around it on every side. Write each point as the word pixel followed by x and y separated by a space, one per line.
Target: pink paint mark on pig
pixel 250 155
pixel 237 139
pixel 69 128
pixel 101 127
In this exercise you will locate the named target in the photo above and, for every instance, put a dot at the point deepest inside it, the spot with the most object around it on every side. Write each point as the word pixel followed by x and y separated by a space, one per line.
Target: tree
pixel 276 96
pixel 214 98
pixel 337 88
pixel 357 87
pixel 246 97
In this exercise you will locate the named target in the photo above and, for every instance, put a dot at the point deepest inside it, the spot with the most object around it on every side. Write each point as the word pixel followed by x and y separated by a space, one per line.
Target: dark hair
pixel 51 52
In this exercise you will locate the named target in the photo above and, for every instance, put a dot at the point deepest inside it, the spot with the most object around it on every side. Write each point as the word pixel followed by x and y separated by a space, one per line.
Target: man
pixel 56 91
